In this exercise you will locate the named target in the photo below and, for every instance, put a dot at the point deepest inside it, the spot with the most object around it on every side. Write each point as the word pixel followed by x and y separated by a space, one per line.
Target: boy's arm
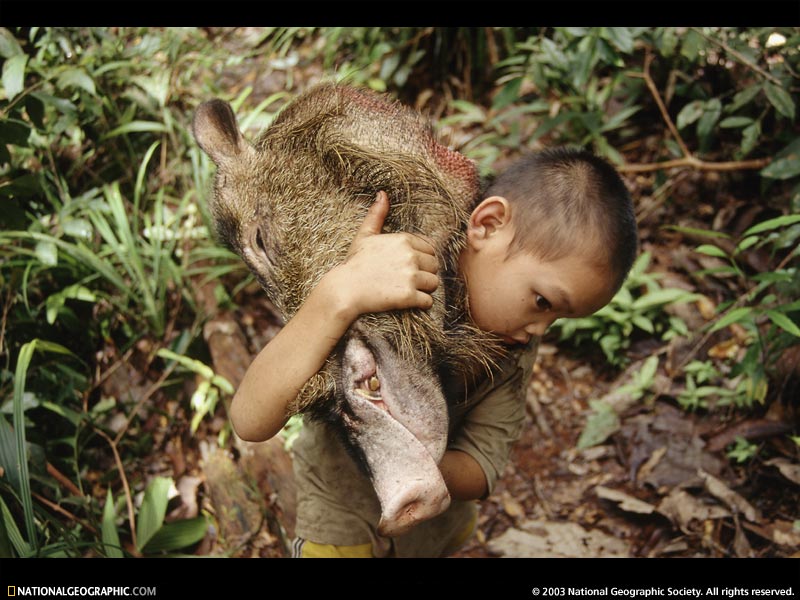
pixel 463 476
pixel 476 458
pixel 382 272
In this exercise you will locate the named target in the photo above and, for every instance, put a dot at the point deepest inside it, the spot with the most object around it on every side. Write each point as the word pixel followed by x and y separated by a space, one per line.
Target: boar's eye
pixel 260 242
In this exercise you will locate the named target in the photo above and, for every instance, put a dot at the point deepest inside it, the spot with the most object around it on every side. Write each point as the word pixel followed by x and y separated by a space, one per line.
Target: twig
pixel 107 373
pixel 651 85
pixel 55 507
pixel 125 486
pixel 145 397
pixel 696 163
pixel 660 196
pixel 63 480
pixel 688 160
pixel 6 307
pixel 543 502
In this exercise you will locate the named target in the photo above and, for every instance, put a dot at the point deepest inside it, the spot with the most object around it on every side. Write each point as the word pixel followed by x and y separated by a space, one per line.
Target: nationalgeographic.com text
pixel 42 591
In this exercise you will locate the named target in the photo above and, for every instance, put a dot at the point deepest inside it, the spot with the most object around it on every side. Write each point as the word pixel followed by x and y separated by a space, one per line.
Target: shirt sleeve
pixel 491 427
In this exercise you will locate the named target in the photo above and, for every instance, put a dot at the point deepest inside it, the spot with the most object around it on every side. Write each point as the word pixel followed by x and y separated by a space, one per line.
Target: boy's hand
pixel 386 271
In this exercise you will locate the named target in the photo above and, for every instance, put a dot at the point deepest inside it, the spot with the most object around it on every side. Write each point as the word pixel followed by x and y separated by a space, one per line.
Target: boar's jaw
pixel 401 429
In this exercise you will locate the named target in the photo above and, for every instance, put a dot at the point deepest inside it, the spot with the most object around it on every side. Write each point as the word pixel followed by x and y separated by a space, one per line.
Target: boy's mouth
pixel 514 341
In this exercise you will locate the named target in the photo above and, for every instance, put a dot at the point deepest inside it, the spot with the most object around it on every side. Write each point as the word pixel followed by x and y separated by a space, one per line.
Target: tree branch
pixel 688 160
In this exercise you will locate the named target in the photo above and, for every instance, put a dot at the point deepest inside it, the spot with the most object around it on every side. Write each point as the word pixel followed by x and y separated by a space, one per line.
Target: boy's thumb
pixel 373 221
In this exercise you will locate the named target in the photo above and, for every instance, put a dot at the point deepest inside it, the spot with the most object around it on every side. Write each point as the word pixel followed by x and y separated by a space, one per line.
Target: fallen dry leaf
pixel 512 507
pixel 735 501
pixel 787 468
pixel 187 488
pixel 707 308
pixel 551 539
pixel 727 349
pixel 741 545
pixel 650 463
pixel 682 508
pixel 625 501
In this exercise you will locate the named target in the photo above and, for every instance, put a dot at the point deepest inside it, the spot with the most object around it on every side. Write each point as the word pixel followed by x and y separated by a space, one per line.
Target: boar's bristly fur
pixel 291 203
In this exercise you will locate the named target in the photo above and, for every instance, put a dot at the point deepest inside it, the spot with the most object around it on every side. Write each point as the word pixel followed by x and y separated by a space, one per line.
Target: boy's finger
pixel 373 221
pixel 427 262
pixel 422 243
pixel 427 282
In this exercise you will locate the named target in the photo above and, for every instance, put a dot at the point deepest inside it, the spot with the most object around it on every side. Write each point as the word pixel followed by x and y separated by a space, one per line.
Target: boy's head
pixel 554 236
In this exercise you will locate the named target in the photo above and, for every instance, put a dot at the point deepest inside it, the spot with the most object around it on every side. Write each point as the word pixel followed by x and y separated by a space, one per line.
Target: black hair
pixel 556 194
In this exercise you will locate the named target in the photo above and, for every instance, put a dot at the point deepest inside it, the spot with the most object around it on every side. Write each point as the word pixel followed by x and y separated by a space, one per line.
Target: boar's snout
pixel 400 423
pixel 418 502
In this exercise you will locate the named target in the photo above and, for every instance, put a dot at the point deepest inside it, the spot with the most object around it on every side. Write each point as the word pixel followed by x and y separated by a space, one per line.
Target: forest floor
pixel 661 486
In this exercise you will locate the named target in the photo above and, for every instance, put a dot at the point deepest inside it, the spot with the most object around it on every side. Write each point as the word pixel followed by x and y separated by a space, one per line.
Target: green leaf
pixel 21 466
pixel 783 168
pixel 746 243
pixel 600 425
pixel 136 127
pixel 9 46
pixel 621 38
pixel 14 132
pixel 73 416
pixel 692 42
pixel 770 224
pixel 734 316
pixel 79 228
pixel 710 250
pixel 735 122
pixel 774 277
pixel 47 253
pixel 697 231
pixel 55 301
pixel 76 78
pixel 647 373
pixel 663 296
pixel 690 113
pixel 711 112
pixel 780 99
pixel 153 510
pixel 8 454
pixel 6 550
pixel 20 545
pixel 177 535
pixel 750 135
pixel 619 119
pixel 744 97
pixel 784 322
pixel 508 95
pixel 643 323
pixel 110 536
pixel 14 75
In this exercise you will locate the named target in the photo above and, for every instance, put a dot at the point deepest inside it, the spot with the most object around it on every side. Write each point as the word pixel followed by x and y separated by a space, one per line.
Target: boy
pixel 554 236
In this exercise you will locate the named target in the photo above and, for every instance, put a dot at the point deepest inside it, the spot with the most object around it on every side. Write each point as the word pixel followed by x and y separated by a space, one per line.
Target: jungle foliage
pixel 105 239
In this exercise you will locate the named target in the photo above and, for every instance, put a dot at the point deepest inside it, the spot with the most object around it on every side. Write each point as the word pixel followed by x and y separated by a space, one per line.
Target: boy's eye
pixel 542 303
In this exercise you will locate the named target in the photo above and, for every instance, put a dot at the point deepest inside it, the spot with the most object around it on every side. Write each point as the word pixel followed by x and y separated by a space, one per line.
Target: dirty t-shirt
pixel 336 503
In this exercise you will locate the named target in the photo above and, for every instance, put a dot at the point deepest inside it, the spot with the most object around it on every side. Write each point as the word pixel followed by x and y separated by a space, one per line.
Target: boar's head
pixel 290 203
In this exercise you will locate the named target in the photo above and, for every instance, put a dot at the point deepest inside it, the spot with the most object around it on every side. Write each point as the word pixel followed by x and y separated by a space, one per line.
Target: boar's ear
pixel 216 131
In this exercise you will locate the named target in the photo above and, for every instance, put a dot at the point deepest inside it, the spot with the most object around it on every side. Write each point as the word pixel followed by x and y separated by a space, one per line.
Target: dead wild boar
pixel 291 202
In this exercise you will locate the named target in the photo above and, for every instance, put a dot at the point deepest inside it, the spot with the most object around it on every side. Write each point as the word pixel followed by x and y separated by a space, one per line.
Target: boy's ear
pixel 490 217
